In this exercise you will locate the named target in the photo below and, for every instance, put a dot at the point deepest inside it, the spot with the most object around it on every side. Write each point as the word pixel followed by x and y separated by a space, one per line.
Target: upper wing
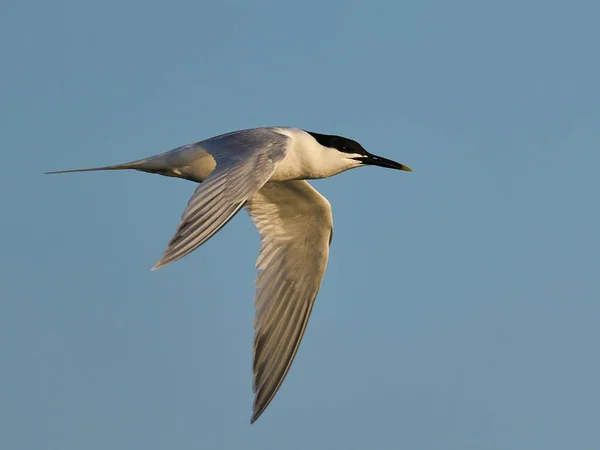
pixel 295 226
pixel 245 160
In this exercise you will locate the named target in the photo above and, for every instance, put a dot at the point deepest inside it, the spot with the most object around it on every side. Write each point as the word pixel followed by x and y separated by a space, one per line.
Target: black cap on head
pixel 342 144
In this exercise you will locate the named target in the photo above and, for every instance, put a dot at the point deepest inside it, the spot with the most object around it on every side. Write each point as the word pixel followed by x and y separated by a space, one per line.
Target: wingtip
pixel 160 263
pixel 256 413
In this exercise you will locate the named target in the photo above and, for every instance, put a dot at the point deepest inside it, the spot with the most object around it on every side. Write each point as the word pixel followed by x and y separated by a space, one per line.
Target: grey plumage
pixel 244 163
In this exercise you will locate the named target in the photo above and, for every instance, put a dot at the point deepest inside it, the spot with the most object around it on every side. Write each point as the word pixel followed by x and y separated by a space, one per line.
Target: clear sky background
pixel 461 304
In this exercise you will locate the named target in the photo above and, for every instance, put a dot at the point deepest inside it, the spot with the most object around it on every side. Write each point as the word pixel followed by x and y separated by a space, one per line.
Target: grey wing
pixel 245 161
pixel 295 226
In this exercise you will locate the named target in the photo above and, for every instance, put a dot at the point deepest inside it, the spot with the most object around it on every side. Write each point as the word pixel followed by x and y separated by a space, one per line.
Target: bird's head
pixel 353 154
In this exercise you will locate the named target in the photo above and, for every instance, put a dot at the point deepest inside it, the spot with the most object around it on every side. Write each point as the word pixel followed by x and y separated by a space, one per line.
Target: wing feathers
pixel 245 161
pixel 295 223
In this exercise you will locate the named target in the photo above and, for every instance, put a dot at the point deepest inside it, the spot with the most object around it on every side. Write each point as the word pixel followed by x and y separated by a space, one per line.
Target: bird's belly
pixel 286 174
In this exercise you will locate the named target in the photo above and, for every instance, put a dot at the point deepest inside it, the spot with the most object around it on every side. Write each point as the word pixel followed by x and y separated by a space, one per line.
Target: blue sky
pixel 460 306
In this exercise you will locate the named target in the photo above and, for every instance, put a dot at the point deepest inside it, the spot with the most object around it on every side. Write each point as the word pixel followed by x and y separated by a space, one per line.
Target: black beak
pixel 373 160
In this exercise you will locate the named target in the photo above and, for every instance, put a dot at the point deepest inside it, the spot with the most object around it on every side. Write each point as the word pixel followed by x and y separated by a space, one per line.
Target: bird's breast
pixel 291 167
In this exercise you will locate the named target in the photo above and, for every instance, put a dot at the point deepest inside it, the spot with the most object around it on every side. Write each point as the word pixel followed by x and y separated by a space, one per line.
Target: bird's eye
pixel 344 148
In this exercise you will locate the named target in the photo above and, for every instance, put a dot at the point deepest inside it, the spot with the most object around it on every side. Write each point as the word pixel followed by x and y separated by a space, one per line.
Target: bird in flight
pixel 264 171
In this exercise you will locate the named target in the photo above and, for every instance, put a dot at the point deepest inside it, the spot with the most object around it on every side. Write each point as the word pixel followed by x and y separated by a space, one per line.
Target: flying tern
pixel 264 171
